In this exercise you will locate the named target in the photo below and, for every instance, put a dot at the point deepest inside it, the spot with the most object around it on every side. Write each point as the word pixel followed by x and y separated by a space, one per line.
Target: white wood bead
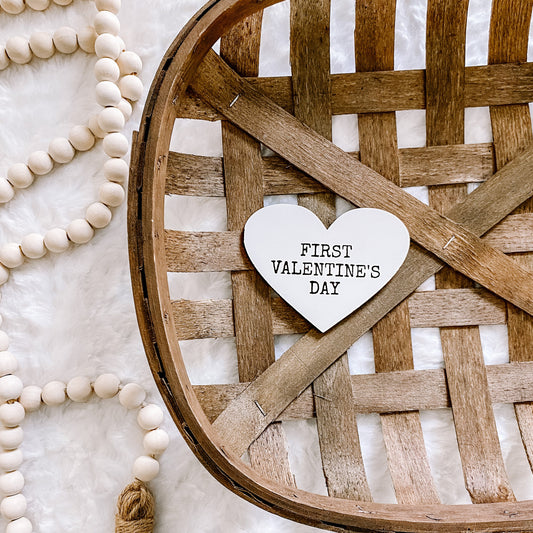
pixel 79 389
pixel 31 398
pixel 6 191
pixel 63 2
pixel 106 69
pixel 150 417
pixel 131 87
pixel 13 7
pixel 107 45
pixel 40 163
pixel 129 63
pixel 18 50
pixel 98 215
pixel 81 138
pixel 56 240
pixel 4 58
pixel 8 363
pixel 86 39
pixel 32 246
pixel 10 387
pixel 13 507
pixel 132 396
pixel 11 460
pixel 11 255
pixel 106 386
pixel 145 468
pixel 65 40
pixel 80 231
pixel 116 145
pixel 111 119
pixel 42 45
pixel 126 108
pixel 107 93
pixel 111 194
pixel 106 22
pixel 108 5
pixel 116 169
pixel 156 442
pixel 4 341
pixel 61 151
pixel 20 176
pixel 95 128
pixel 22 525
pixel 53 393
pixel 11 438
pixel 11 483
pixel 38 5
pixel 12 414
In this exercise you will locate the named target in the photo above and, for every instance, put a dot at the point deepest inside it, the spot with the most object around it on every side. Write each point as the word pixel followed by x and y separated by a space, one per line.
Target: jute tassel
pixel 135 509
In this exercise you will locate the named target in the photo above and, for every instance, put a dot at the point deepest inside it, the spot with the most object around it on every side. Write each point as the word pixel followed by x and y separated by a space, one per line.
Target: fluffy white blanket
pixel 73 314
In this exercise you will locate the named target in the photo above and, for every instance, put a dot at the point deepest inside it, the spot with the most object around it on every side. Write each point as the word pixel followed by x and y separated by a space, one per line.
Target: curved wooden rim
pixel 150 287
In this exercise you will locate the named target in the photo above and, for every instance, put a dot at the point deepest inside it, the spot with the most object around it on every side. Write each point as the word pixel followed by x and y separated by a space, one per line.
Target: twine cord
pixel 135 509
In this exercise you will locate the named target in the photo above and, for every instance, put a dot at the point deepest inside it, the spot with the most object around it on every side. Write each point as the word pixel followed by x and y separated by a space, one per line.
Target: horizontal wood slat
pixel 378 92
pixel 458 307
pixel 196 175
pixel 388 392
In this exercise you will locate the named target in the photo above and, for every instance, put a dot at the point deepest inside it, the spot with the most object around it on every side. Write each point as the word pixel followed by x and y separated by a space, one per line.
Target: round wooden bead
pixel 106 386
pixel 126 108
pixel 145 468
pixel 56 240
pixel 116 145
pixel 11 438
pixel 95 128
pixel 8 363
pixel 61 151
pixel 54 393
pixel 108 5
pixel 116 169
pixel 107 93
pixel 6 191
pixel 105 69
pixel 98 215
pixel 131 87
pixel 79 389
pixel 22 525
pixel 10 387
pixel 4 58
pixel 38 5
pixel 63 2
pixel 111 119
pixel 80 231
pixel 20 176
pixel 31 398
pixel 150 417
pixel 42 45
pixel 18 50
pixel 129 63
pixel 132 396
pixel 11 460
pixel 106 22
pixel 40 162
pixel 81 138
pixel 11 483
pixel 13 507
pixel 11 255
pixel 13 7
pixel 65 40
pixel 111 194
pixel 156 442
pixel 87 38
pixel 11 414
pixel 4 341
pixel 107 45
pixel 32 246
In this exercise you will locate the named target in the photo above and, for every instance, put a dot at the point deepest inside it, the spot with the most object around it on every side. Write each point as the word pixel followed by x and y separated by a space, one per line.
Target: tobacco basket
pixel 478 280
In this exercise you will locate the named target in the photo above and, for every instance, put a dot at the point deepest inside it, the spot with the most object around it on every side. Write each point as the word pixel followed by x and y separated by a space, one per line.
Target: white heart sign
pixel 325 273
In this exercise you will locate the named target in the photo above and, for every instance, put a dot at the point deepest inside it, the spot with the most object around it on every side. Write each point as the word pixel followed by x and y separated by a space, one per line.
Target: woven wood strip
pixel 359 184
pixel 251 295
pixel 380 92
pixel 477 437
pixel 511 129
pixel 402 432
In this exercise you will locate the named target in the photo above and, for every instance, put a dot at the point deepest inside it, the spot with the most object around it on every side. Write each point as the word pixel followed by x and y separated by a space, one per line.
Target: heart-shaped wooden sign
pixel 325 273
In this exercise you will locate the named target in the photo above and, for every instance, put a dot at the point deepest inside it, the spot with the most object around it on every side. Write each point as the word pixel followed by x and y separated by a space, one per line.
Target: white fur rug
pixel 73 314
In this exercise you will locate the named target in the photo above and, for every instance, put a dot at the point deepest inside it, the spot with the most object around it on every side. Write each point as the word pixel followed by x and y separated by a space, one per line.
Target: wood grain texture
pixel 252 314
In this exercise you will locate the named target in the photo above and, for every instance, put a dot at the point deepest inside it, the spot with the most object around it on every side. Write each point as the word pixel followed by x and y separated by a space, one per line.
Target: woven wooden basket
pixel 293 116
